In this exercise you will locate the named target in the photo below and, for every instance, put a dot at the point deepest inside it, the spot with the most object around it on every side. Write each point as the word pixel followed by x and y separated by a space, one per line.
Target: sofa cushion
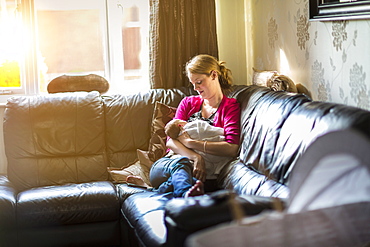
pixel 305 124
pixel 68 204
pixel 129 121
pixel 105 233
pixel 119 175
pixel 76 83
pixel 157 145
pixel 245 180
pixel 161 116
pixel 277 128
pixel 274 80
pixel 55 139
pixel 263 77
pixel 8 195
pixel 263 114
pixel 7 203
pixel 145 213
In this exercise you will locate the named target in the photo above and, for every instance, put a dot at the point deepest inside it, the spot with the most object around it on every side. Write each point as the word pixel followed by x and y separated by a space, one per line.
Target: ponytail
pixel 225 77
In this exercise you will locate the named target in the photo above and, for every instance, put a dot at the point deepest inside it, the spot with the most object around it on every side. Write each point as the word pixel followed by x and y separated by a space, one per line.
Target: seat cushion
pixel 68 204
pixel 244 180
pixel 7 213
pixel 145 213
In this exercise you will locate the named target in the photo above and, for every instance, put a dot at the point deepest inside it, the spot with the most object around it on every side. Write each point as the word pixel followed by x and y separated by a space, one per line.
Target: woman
pixel 210 78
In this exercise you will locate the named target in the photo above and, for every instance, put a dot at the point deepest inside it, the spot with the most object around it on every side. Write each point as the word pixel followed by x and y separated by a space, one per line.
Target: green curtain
pixel 180 29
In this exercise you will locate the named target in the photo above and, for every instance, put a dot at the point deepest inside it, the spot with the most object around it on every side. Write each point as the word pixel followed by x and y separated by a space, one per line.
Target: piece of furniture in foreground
pixel 58 191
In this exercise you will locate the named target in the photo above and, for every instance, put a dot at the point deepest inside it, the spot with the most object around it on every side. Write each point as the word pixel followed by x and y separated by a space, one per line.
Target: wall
pixel 231 37
pixel 331 59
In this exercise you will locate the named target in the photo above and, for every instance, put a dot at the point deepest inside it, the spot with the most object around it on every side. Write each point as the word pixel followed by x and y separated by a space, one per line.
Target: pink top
pixel 226 117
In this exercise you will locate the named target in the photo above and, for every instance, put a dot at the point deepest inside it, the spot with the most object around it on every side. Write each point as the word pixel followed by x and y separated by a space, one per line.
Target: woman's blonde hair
pixel 205 64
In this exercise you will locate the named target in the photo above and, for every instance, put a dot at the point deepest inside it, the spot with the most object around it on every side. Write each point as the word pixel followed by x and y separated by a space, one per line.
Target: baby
pixel 197 130
pixel 173 128
pixel 201 131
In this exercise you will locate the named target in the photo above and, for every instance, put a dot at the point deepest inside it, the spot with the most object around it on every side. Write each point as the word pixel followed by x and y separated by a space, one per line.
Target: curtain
pixel 180 29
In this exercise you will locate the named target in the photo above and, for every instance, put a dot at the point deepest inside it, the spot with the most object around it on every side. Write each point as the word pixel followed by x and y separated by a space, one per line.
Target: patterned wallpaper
pixel 331 59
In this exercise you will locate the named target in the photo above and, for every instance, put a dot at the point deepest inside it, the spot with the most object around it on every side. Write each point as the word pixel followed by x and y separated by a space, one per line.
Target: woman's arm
pixel 199 169
pixel 221 148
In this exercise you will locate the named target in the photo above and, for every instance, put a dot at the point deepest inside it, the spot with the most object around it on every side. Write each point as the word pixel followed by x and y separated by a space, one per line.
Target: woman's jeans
pixel 172 175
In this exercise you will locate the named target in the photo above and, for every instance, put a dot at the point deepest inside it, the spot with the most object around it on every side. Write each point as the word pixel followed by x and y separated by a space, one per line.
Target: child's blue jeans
pixel 172 175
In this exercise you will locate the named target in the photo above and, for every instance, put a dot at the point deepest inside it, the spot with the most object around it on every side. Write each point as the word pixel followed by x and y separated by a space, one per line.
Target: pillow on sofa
pixel 157 145
pixel 263 78
pixel 119 175
pixel 274 81
pixel 282 83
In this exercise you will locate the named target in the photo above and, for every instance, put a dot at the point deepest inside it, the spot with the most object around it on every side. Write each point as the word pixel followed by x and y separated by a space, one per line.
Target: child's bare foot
pixel 131 179
pixel 196 190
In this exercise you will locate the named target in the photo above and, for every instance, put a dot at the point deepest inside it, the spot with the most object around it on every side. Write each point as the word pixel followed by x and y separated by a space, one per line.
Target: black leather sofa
pixel 58 192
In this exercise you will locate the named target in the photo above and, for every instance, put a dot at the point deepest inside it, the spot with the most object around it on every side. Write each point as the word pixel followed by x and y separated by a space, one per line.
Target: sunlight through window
pixel 103 37
pixel 11 53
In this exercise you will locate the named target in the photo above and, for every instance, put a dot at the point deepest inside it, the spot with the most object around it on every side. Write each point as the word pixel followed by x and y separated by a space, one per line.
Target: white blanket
pixel 203 131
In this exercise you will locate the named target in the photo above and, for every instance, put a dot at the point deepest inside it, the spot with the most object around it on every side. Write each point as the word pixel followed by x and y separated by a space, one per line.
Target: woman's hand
pixel 220 148
pixel 199 169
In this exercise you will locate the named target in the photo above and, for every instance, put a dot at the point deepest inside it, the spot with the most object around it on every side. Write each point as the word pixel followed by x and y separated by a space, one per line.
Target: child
pixel 201 131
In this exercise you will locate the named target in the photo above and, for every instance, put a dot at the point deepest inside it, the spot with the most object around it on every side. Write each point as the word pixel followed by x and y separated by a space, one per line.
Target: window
pixel 104 37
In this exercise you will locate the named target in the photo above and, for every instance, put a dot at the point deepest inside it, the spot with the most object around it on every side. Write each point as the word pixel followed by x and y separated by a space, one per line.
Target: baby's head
pixel 173 128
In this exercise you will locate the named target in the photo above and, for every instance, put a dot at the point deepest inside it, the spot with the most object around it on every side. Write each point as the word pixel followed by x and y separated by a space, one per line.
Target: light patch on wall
pixel 284 63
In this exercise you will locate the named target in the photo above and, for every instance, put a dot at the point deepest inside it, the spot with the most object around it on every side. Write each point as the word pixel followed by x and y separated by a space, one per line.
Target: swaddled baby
pixel 201 131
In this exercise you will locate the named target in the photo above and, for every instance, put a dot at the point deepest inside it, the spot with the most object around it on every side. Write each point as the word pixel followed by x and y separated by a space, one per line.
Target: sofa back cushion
pixel 308 122
pixel 55 139
pixel 129 121
pixel 277 128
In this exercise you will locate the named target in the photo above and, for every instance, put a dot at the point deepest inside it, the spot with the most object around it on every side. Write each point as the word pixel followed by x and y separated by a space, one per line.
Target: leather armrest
pixel 8 195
